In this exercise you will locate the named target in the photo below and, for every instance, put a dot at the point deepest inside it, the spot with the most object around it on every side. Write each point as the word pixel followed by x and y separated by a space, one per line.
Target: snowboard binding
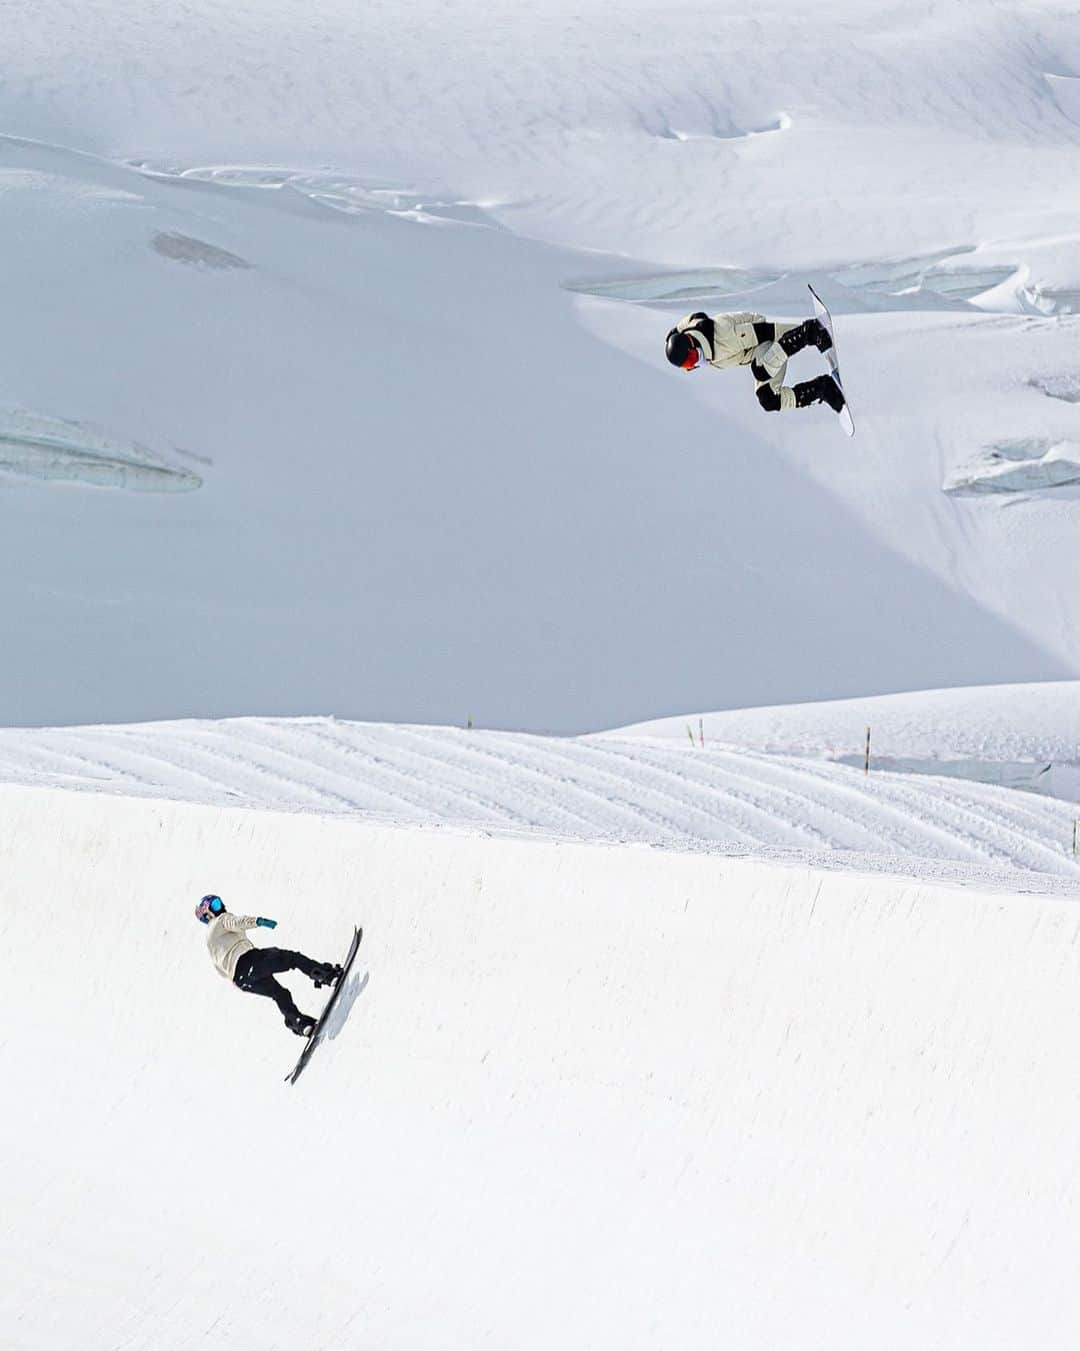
pixel 326 974
pixel 302 1024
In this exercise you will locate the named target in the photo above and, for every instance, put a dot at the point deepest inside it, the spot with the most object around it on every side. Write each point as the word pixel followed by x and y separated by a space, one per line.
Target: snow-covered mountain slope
pixel 582 1095
pixel 629 790
pixel 1025 736
pixel 872 130
pixel 277 267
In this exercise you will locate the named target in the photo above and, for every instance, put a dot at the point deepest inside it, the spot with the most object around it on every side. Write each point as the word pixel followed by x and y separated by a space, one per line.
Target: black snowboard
pixel 316 1036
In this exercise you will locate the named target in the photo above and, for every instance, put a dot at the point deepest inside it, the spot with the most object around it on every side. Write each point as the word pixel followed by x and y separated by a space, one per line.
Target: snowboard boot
pixel 822 390
pixel 301 1024
pixel 325 974
pixel 822 338
pixel 810 333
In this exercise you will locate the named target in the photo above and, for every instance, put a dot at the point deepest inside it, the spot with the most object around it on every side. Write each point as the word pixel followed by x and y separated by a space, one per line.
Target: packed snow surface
pixel 579 1094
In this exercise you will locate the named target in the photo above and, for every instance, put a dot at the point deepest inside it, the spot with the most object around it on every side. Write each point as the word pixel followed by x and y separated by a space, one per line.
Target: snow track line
pixel 638 813
pixel 499 813
pixel 745 762
pixel 253 768
pixel 537 750
pixel 887 820
pixel 739 765
pixel 930 828
pixel 897 791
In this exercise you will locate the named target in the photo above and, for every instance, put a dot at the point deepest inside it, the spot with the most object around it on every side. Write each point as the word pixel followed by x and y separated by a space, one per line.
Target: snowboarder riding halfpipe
pixel 253 969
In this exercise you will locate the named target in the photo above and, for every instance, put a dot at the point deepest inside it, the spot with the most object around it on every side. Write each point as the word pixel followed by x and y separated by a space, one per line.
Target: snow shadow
pixel 1049 300
pixel 1065 90
pixel 1018 466
pixel 1064 387
pixel 339 1015
pixel 345 193
pixel 950 279
pixel 709 124
pixel 698 287
pixel 183 249
pixel 1025 775
pixel 1049 778
pixel 938 277
pixel 56 450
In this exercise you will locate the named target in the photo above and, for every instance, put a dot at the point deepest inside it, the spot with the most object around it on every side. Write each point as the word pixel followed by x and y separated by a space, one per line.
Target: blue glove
pixel 266 923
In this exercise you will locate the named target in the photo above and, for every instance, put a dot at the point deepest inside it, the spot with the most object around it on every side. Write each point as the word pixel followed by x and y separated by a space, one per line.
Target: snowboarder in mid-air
pixel 726 340
pixel 253 969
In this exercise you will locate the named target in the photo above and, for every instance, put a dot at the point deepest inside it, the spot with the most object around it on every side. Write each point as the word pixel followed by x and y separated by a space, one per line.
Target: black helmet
pixel 682 350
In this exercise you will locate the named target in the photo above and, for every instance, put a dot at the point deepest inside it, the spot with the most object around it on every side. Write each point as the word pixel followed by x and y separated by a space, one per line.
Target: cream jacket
pixel 228 941
pixel 726 339
pixel 729 340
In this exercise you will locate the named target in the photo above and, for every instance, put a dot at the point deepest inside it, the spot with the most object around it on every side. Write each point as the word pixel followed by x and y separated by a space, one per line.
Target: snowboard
pixel 821 311
pixel 320 1026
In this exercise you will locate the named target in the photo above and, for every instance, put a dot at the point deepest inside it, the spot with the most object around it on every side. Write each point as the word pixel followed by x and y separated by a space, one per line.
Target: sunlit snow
pixel 706 783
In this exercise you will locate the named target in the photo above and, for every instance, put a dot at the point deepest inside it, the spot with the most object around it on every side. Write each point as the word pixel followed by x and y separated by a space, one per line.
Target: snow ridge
pixel 599 788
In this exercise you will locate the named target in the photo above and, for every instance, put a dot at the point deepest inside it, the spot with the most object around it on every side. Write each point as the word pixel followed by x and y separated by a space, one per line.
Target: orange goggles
pixel 693 358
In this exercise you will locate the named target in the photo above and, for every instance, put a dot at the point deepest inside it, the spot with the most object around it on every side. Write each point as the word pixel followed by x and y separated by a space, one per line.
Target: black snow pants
pixel 255 972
